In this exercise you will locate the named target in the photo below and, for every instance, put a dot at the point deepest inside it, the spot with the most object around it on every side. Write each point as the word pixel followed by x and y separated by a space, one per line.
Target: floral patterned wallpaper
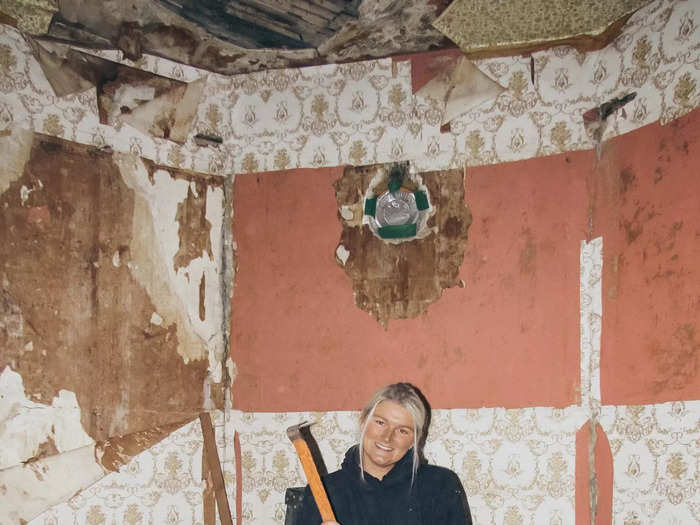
pixel 364 112
pixel 162 485
pixel 656 461
pixel 517 466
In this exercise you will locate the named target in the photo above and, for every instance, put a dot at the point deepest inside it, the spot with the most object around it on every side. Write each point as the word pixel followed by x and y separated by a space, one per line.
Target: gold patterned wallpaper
pixel 364 112
pixel 162 485
pixel 517 466
pixel 32 16
pixel 656 461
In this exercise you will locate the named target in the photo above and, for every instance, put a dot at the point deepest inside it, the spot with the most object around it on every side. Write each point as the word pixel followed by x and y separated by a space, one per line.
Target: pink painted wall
pixel 511 336
pixel 508 338
pixel 647 198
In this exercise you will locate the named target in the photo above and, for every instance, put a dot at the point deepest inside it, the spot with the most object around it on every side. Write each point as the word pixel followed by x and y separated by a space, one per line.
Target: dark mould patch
pixel 179 41
pixel 528 255
pixel 398 281
pixel 676 361
pixel 182 174
pixel 627 180
pixel 215 59
pixel 87 319
pixel 658 175
pixel 129 40
pixel 634 227
pixel 194 227
pixel 202 298
pixel 453 227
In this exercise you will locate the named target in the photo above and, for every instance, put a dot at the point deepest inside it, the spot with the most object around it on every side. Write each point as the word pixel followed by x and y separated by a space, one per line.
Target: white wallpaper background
pixel 656 462
pixel 516 465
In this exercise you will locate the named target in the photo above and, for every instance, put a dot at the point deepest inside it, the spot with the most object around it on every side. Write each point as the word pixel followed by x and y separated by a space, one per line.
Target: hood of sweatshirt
pixel 400 474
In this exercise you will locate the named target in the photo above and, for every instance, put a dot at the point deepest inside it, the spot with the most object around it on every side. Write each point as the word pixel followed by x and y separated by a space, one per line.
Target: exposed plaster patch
pixel 14 152
pixel 347 212
pixel 24 194
pixel 32 489
pixel 175 289
pixel 342 254
pixel 26 426
pixel 394 281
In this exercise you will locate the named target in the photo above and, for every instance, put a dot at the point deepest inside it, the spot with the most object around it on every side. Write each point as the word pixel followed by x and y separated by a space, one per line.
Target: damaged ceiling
pixel 241 36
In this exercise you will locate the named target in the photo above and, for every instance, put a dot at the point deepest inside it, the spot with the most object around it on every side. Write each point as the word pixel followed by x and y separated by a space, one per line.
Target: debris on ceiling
pixel 486 28
pixel 241 36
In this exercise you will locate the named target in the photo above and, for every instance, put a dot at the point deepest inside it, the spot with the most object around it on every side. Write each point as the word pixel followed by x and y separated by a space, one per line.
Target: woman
pixel 382 480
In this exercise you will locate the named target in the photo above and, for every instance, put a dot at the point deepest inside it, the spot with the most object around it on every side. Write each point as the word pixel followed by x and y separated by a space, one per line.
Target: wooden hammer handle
pixel 317 489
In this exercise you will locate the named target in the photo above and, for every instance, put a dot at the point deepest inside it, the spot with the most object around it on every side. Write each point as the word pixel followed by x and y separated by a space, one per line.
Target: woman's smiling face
pixel 388 436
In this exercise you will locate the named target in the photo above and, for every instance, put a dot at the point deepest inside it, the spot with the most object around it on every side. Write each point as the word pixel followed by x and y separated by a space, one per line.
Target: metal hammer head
pixel 294 432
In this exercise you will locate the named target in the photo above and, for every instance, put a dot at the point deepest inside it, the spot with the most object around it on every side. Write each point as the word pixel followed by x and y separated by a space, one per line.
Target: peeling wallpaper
pixel 160 485
pixel 91 285
pixel 159 197
pixel 28 427
pixel 364 112
pixel 517 465
pixel 591 319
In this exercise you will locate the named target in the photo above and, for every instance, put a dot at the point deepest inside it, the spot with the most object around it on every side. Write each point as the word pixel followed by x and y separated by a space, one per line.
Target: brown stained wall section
pixel 117 451
pixel 394 281
pixel 81 322
pixel 194 226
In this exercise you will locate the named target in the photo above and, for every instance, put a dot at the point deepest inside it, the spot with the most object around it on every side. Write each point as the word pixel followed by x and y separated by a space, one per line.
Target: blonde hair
pixel 412 400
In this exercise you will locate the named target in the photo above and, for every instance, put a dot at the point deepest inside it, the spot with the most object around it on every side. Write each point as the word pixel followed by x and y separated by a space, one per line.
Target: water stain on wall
pixel 86 318
pixel 644 208
pixel 398 281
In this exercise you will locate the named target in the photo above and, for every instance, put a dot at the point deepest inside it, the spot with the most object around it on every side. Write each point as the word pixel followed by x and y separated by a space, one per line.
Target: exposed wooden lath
pixel 257 24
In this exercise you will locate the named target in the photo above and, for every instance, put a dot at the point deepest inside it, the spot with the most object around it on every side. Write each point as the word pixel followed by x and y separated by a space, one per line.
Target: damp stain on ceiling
pixel 241 36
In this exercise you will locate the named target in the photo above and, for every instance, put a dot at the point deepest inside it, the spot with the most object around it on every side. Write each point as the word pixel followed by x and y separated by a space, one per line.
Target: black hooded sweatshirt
pixel 436 497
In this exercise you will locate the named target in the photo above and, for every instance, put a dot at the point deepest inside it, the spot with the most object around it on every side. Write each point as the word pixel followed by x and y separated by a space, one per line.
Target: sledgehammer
pixel 307 463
